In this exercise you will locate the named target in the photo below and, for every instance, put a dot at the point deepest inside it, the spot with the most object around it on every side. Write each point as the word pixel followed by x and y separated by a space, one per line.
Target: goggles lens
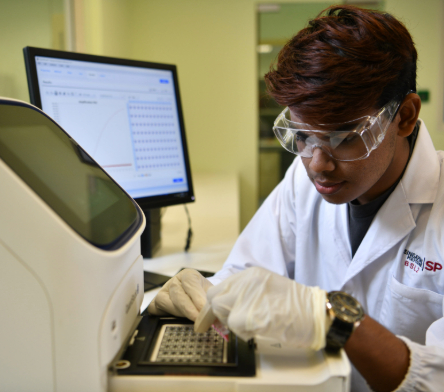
pixel 348 141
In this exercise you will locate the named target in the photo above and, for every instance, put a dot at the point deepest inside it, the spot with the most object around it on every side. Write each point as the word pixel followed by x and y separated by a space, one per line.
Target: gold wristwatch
pixel 345 314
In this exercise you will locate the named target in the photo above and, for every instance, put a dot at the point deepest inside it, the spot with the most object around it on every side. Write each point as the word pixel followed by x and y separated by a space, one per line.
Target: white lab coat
pixel 395 272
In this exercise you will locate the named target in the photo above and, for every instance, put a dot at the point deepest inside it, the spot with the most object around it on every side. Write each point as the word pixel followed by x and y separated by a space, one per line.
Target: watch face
pixel 345 306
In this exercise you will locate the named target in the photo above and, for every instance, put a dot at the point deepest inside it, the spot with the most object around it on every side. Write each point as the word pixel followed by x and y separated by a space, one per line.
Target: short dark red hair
pixel 346 61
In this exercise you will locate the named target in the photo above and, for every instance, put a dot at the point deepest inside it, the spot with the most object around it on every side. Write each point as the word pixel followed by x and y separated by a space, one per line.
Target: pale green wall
pixel 292 17
pixel 22 23
pixel 104 27
pixel 117 40
pixel 424 20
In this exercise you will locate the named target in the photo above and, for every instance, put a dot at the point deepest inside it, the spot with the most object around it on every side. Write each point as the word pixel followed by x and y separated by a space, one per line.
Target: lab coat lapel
pixel 395 219
pixel 392 223
pixel 340 229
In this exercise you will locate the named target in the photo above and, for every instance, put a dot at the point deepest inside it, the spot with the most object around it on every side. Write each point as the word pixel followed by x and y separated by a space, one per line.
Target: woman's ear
pixel 408 112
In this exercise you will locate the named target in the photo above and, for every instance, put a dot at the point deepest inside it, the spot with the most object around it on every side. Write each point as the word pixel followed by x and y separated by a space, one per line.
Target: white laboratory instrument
pixel 71 274
pixel 71 280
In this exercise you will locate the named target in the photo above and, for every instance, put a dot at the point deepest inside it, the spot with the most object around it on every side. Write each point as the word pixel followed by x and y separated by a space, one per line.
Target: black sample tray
pixel 144 356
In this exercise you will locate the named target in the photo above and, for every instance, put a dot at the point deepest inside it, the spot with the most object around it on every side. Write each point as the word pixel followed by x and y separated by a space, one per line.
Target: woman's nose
pixel 321 161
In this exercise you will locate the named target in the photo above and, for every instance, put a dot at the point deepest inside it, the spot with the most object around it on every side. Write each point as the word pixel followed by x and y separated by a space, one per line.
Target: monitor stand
pixel 150 238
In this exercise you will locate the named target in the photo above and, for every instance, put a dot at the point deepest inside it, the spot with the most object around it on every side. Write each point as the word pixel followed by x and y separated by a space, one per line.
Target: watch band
pixel 338 335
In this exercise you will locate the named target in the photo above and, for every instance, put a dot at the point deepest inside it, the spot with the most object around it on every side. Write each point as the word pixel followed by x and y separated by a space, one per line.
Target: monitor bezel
pixel 149 202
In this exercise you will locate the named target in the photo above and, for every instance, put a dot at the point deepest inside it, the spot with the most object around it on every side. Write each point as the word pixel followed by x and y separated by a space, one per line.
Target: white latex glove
pixel 258 302
pixel 184 295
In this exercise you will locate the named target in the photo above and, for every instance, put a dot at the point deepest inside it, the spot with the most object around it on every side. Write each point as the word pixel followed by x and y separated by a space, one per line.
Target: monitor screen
pixel 126 114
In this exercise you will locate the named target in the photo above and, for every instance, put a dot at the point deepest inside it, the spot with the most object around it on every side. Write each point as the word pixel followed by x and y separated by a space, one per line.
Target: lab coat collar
pixel 395 219
pixel 420 180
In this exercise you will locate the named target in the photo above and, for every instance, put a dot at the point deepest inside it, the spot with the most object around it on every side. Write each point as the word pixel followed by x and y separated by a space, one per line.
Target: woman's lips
pixel 327 188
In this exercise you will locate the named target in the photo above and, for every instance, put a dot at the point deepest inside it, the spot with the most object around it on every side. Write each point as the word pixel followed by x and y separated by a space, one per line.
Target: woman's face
pixel 341 182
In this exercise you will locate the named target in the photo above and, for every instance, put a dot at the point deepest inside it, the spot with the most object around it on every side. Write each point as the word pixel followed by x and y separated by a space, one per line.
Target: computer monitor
pixel 127 115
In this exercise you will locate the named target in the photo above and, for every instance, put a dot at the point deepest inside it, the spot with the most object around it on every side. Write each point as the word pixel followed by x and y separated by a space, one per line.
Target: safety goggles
pixel 348 141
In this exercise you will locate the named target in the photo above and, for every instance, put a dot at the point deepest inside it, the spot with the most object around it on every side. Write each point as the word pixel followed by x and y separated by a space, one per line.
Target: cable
pixel 190 232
